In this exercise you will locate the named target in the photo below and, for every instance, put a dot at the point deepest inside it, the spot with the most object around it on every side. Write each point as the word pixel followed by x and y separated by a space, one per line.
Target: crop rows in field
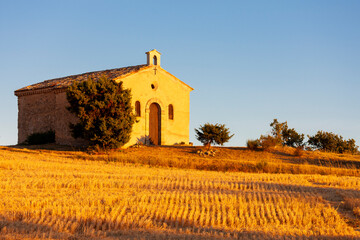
pixel 97 199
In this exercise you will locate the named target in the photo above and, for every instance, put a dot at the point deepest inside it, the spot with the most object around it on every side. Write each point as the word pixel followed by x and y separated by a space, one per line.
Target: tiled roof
pixel 64 82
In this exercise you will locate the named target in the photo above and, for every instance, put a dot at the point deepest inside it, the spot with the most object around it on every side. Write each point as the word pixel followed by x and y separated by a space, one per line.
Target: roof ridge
pixel 75 75
pixel 63 82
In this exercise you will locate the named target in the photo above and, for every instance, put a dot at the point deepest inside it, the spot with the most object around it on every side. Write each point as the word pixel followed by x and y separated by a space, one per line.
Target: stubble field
pixel 67 195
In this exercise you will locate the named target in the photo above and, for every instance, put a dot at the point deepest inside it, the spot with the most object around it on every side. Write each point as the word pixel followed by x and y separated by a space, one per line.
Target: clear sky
pixel 248 61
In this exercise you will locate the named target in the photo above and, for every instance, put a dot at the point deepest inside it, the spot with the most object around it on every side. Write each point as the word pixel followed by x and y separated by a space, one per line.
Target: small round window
pixel 154 86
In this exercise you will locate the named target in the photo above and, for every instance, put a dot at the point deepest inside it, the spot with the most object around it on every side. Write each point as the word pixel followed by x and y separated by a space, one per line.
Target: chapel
pixel 160 101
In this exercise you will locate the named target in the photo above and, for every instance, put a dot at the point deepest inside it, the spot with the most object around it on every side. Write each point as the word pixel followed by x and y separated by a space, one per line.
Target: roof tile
pixel 65 82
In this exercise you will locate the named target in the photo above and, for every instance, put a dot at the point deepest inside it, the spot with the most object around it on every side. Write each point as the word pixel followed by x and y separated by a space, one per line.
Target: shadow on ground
pixel 27 230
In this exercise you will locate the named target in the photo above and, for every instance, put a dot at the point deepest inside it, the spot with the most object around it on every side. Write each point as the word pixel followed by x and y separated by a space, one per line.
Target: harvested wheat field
pixel 48 194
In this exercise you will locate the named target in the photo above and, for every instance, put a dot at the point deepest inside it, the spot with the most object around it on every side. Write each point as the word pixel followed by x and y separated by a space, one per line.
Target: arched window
pixel 137 109
pixel 171 112
pixel 155 60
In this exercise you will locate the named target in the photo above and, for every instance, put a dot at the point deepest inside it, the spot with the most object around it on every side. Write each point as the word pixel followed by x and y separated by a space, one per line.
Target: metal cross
pixel 155 70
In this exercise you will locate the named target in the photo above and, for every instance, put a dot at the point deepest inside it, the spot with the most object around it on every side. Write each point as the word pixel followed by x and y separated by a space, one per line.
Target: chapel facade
pixel 160 101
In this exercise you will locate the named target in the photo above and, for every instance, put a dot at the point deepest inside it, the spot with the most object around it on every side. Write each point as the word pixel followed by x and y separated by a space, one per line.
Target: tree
pixel 213 134
pixel 104 111
pixel 331 142
pixel 277 130
pixel 291 138
pixel 285 135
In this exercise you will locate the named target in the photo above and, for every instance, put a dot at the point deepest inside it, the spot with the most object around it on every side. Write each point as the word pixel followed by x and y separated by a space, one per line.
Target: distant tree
pixel 328 141
pixel 291 138
pixel 277 130
pixel 104 111
pixel 286 136
pixel 213 134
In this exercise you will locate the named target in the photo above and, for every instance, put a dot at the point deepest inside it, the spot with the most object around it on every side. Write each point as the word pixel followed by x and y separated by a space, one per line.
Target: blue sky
pixel 249 61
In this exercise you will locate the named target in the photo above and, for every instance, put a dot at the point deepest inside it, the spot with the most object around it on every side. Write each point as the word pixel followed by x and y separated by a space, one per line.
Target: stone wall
pixel 63 118
pixel 36 113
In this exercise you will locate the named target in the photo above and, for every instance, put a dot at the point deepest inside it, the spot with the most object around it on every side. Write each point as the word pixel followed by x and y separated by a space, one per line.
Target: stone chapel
pixel 161 103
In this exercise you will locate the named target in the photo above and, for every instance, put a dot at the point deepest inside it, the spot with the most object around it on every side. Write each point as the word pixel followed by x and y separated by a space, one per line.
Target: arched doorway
pixel 155 124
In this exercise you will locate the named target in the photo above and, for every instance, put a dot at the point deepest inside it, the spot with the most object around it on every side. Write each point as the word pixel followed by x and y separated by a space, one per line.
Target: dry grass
pixel 64 195
pixel 278 160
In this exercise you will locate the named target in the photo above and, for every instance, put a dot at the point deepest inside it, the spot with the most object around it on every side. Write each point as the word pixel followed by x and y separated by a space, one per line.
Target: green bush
pixel 213 134
pixel 253 144
pixel 104 111
pixel 267 142
pixel 41 138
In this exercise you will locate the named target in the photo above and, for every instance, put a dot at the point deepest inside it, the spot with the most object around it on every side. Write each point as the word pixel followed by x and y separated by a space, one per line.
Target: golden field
pixel 169 193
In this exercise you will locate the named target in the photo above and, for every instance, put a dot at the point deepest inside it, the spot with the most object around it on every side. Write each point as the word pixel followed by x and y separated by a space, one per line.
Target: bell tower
pixel 153 57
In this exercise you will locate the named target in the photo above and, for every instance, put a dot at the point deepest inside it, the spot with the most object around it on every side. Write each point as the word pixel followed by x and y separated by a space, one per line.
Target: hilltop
pixel 226 159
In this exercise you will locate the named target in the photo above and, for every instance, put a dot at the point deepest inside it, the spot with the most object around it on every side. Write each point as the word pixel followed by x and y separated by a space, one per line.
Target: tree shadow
pixel 336 163
pixel 331 195
pixel 19 229
pixel 108 230
pixel 46 147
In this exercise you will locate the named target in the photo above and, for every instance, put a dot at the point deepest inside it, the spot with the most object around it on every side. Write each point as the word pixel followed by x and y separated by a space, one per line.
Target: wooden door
pixel 155 124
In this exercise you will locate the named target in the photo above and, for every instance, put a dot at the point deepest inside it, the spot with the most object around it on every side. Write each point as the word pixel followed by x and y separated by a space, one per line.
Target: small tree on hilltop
pixel 291 138
pixel 213 134
pixel 277 130
pixel 104 111
pixel 285 135
pixel 328 141
pixel 282 135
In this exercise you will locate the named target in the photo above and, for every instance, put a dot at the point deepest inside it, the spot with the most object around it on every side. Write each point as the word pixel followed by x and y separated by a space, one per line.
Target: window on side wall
pixel 137 109
pixel 171 112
